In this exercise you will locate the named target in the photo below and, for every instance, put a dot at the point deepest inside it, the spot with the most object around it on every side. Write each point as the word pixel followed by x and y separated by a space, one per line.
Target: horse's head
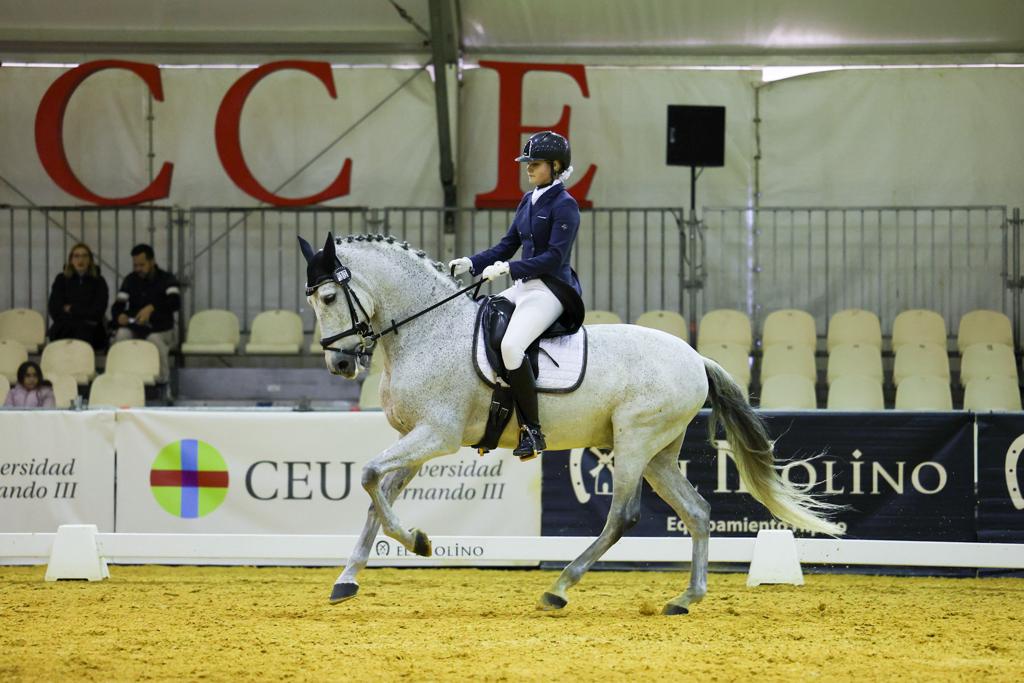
pixel 343 315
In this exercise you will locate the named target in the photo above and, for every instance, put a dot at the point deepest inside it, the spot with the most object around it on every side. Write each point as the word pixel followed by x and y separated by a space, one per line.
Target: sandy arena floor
pixel 175 623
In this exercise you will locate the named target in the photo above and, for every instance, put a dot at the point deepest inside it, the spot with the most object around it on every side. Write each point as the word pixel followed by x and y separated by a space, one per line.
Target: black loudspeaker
pixel 696 136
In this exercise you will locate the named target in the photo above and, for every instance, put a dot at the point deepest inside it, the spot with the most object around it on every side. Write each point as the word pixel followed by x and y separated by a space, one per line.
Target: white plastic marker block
pixel 775 559
pixel 75 554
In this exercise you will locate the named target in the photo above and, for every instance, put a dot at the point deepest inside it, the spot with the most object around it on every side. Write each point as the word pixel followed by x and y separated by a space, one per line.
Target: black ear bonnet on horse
pixel 321 266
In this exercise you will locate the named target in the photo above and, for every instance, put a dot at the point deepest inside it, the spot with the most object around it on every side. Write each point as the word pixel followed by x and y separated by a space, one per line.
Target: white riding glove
pixel 495 270
pixel 460 266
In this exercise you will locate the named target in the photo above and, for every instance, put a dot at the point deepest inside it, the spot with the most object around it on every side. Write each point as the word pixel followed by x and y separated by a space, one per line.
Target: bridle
pixel 342 276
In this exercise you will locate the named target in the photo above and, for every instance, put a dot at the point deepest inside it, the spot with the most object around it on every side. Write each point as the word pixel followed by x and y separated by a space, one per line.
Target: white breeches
pixel 536 309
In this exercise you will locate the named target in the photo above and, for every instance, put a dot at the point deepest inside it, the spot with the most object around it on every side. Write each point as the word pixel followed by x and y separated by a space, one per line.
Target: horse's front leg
pixel 346 585
pixel 421 444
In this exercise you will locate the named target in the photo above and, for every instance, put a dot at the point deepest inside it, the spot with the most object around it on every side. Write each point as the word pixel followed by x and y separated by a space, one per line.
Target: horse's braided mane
pixel 393 243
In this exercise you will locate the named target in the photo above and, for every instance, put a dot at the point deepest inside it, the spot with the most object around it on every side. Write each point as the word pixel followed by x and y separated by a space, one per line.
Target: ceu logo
pixel 1012 479
pixel 383 548
pixel 591 466
pixel 189 478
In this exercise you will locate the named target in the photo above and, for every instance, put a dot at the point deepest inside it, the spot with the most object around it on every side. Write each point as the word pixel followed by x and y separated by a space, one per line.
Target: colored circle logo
pixel 189 478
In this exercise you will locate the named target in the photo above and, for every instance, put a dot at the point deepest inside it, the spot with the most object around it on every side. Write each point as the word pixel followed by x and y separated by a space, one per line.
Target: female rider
pixel 545 287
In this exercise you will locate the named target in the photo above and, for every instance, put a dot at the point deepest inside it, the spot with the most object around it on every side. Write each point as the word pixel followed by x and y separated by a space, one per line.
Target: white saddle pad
pixel 561 368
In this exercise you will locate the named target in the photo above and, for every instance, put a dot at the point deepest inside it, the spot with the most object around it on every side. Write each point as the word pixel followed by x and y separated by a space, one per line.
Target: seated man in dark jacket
pixel 145 305
pixel 78 300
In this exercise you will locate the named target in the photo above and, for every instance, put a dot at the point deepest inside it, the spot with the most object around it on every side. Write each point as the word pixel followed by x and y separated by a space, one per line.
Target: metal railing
pixel 247 261
pixel 35 241
pixel 630 260
pixel 948 259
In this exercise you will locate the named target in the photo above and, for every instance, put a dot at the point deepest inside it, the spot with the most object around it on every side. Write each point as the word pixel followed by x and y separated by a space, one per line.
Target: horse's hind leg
pixel 346 586
pixel 623 514
pixel 668 481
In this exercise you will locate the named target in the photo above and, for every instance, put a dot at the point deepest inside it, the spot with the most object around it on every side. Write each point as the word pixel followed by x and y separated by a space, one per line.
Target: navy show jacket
pixel 546 231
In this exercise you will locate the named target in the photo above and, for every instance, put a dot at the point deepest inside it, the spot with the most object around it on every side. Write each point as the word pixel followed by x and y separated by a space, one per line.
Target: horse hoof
pixel 421 544
pixel 672 610
pixel 343 591
pixel 550 601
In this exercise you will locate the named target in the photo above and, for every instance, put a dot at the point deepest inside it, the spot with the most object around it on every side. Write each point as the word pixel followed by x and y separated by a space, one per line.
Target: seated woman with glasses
pixel 31 391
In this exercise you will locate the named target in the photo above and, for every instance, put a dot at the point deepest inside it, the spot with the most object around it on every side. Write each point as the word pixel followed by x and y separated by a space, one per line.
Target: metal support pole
pixel 442 43
pixel 1016 276
pixel 150 153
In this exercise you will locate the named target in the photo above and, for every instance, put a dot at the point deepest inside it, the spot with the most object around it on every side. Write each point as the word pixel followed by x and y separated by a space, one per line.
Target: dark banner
pixel 903 476
pixel 1000 498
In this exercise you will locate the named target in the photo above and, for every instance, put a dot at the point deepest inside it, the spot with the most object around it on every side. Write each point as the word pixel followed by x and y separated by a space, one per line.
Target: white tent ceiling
pixel 668 31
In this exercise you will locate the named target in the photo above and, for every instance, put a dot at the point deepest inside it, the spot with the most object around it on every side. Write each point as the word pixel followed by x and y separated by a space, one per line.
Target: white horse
pixel 642 388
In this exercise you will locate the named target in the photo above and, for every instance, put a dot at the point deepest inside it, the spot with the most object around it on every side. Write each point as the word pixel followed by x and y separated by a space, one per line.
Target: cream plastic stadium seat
pixel 117 390
pixel 276 332
pixel 992 393
pixel 65 390
pixel 213 331
pixel 788 392
pixel 788 359
pixel 924 392
pixel 23 325
pixel 135 357
pixel 314 341
pixel 601 318
pixel 918 360
pixel 987 360
pixel 977 327
pixel 854 326
pixel 855 359
pixel 5 387
pixel 666 321
pixel 724 325
pixel 12 354
pixel 855 392
pixel 918 326
pixel 369 392
pixel 69 357
pixel 789 326
pixel 734 359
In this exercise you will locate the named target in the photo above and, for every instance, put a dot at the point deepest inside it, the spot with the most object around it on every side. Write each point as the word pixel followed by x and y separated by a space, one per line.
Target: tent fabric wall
pixel 879 137
pixel 843 138
pixel 288 119
pixel 620 127
pixel 894 137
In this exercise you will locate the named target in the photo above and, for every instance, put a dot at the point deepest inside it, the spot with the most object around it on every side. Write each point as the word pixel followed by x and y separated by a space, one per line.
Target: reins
pixel 394 326
pixel 368 337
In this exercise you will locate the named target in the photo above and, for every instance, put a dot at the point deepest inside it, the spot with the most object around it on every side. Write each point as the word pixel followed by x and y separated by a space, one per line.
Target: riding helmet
pixel 547 146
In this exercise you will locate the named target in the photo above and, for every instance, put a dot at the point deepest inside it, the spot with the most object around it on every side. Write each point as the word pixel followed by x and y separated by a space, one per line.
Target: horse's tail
pixel 752 448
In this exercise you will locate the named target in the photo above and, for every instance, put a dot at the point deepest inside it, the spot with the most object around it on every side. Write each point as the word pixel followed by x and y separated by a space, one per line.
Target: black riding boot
pixel 524 389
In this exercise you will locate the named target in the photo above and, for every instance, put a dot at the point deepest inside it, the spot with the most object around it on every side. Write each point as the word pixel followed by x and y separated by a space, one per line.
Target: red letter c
pixel 50 133
pixel 229 144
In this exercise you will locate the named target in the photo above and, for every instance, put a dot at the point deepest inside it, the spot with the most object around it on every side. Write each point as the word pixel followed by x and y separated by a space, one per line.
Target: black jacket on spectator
pixel 160 289
pixel 87 295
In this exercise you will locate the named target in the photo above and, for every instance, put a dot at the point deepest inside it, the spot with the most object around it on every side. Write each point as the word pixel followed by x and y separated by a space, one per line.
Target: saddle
pixel 558 359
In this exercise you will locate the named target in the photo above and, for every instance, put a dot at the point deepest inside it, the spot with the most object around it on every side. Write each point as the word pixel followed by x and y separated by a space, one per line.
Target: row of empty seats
pixel 852 326
pixel 854 376
pixel 921 372
pixel 217 331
